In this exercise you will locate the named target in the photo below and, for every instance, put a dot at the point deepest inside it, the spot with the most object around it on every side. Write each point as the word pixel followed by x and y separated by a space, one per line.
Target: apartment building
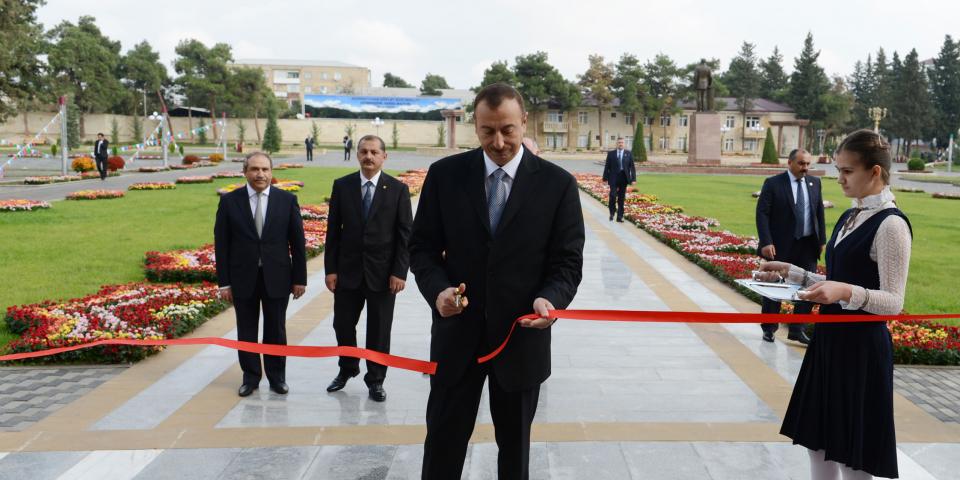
pixel 292 79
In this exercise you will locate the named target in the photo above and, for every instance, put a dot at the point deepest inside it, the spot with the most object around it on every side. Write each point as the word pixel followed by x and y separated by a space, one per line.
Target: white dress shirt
pixel 807 222
pixel 375 179
pixel 510 168
pixel 252 195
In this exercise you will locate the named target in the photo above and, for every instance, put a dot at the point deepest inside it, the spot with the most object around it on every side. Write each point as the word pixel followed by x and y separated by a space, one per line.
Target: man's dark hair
pixel 383 146
pixel 796 152
pixel 99 134
pixel 246 160
pixel 495 93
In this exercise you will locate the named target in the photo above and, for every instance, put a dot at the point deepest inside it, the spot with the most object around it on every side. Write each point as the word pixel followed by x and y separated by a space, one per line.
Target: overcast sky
pixel 458 40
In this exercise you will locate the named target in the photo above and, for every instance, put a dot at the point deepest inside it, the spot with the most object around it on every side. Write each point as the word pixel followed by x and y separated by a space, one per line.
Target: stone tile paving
pixel 29 394
pixel 936 390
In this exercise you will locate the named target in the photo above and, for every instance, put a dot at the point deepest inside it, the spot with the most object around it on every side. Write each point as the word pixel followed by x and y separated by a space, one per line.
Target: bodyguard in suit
pixel 308 142
pixel 261 260
pixel 100 153
pixel 366 258
pixel 503 227
pixel 347 148
pixel 618 172
pixel 791 229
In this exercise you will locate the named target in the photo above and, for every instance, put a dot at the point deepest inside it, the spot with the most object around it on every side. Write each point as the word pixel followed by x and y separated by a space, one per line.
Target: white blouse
pixel 891 251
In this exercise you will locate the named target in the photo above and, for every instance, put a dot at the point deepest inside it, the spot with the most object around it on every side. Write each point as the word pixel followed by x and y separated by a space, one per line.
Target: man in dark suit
pixel 347 148
pixel 790 227
pixel 261 259
pixel 505 227
pixel 308 142
pixel 100 153
pixel 618 172
pixel 366 258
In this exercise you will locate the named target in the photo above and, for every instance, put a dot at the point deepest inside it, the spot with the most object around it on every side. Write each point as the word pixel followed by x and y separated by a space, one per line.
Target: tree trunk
pixel 600 126
pixel 190 121
pixel 26 125
pixel 256 124
pixel 213 119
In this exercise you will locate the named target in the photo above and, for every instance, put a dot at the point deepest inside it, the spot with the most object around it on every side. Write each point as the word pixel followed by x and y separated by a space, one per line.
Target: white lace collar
pixel 872 202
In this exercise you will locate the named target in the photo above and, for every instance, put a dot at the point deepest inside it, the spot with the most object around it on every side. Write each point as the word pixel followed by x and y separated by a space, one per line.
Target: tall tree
pixel 432 84
pixel 204 74
pixel 773 80
pixel 597 84
pixel 743 80
pixel 911 111
pixel 628 86
pixel 85 63
pixel 271 136
pixel 21 72
pixel 391 80
pixel 142 72
pixel 808 84
pixel 246 95
pixel 498 72
pixel 945 90
pixel 881 84
pixel 862 87
pixel 540 84
pixel 837 105
pixel 662 77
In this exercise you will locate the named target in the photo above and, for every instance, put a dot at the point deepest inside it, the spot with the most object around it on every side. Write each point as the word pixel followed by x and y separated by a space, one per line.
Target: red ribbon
pixel 430 368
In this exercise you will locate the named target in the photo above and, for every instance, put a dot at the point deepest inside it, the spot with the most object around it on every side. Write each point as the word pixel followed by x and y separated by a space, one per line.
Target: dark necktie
pixel 496 198
pixel 801 207
pixel 367 199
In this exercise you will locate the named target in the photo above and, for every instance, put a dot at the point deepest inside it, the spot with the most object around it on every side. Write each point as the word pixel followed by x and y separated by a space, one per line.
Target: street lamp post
pixel 377 122
pixel 876 114
pixel 821 134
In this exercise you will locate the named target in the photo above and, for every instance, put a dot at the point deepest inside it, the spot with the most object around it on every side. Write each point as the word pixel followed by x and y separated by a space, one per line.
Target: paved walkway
pixel 641 401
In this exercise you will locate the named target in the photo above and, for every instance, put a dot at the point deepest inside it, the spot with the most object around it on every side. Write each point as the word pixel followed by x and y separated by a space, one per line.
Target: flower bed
pixel 152 169
pixel 228 175
pixel 50 179
pixel 82 164
pixel 133 311
pixel 193 265
pixel 315 212
pixel 152 186
pixel 925 343
pixel 182 167
pixel 414 180
pixel 18 205
pixel 289 165
pixel 94 174
pixel 94 194
pixel 728 257
pixel 196 179
pixel 947 195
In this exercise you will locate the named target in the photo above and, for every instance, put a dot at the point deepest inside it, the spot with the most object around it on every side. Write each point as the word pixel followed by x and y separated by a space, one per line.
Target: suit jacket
pixel 308 142
pixel 103 151
pixel 348 145
pixel 776 218
pixel 611 168
pixel 537 251
pixel 368 251
pixel 281 248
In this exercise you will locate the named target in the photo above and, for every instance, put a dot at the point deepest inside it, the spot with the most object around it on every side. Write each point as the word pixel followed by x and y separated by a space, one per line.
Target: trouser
pixel 309 154
pixel 452 414
pixel 618 195
pixel 346 154
pixel 102 167
pixel 274 332
pixel 805 253
pixel 347 305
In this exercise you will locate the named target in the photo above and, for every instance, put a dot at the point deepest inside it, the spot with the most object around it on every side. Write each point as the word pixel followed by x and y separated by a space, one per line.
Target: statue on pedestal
pixel 703 83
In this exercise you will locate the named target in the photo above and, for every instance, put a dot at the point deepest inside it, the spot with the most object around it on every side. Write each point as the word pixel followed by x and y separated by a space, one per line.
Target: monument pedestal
pixel 704 141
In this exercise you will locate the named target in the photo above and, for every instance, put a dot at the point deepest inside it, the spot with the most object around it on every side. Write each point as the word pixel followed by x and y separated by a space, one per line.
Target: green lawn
pixel 919 177
pixel 935 260
pixel 76 246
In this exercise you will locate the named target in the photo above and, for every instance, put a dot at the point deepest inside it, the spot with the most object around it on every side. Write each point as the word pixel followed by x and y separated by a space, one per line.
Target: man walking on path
pixel 618 172
pixel 790 227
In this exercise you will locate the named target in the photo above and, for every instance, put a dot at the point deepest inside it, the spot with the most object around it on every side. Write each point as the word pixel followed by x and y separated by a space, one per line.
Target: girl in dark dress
pixel 842 403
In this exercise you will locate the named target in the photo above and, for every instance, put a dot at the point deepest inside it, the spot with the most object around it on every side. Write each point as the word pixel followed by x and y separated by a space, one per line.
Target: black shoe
pixel 768 337
pixel 339 382
pixel 377 393
pixel 280 387
pixel 799 337
pixel 619 220
pixel 611 218
pixel 246 389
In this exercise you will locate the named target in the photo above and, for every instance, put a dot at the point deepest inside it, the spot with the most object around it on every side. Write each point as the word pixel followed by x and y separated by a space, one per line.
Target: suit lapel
pixel 243 203
pixel 788 195
pixel 521 188
pixel 476 189
pixel 272 206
